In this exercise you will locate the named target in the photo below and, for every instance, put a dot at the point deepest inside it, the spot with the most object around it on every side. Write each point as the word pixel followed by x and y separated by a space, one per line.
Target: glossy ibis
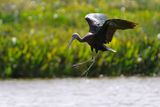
pixel 101 31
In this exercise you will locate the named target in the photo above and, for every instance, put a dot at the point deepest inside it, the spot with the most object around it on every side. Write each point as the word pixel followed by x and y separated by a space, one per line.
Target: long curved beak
pixel 70 42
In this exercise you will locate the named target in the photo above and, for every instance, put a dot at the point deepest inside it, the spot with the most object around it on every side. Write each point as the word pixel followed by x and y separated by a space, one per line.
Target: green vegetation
pixel 34 36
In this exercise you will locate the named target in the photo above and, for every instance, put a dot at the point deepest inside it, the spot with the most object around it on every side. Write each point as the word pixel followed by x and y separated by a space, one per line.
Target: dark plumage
pixel 101 31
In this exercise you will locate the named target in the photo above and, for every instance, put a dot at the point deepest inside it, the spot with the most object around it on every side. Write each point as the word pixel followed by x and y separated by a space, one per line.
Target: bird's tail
pixel 110 49
pixel 123 24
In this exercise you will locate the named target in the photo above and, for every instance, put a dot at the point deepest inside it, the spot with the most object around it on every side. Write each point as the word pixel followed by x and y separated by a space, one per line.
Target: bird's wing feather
pixel 95 21
pixel 108 29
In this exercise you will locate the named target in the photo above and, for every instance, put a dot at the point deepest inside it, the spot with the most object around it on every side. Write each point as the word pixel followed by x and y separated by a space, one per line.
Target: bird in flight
pixel 101 31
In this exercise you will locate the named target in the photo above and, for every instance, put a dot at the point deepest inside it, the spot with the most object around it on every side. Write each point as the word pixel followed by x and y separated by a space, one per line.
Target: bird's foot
pixel 78 64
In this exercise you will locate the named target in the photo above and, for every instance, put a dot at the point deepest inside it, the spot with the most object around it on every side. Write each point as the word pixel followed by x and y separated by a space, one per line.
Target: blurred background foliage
pixel 34 35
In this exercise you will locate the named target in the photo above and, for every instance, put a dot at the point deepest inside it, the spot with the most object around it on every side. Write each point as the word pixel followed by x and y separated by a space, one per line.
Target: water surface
pixel 103 92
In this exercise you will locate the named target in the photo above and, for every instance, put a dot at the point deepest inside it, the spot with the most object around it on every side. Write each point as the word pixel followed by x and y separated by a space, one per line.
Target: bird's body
pixel 90 39
pixel 101 31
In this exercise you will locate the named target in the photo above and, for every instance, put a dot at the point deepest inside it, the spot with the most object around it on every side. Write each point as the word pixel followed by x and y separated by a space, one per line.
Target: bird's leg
pixel 86 71
pixel 92 55
pixel 92 51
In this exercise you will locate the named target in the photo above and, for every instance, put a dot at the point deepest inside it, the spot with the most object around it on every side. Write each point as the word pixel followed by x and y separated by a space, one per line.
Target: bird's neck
pixel 79 39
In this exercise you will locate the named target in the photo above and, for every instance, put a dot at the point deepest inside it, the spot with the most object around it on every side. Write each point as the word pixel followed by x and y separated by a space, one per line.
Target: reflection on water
pixel 104 92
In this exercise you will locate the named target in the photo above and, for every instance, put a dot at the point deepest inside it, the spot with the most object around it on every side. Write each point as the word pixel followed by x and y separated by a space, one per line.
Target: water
pixel 103 92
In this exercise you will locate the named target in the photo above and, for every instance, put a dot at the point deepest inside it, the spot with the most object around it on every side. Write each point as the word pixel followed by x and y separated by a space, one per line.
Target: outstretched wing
pixel 95 21
pixel 105 33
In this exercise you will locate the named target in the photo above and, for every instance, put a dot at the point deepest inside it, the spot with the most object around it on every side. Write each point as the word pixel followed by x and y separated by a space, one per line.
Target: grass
pixel 34 36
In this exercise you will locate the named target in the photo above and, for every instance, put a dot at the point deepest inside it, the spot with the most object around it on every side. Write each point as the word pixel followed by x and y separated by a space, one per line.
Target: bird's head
pixel 74 36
